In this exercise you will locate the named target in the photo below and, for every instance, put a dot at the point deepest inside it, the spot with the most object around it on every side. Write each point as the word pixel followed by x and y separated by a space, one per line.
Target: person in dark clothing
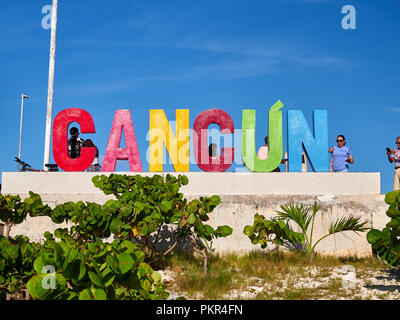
pixel 212 150
pixel 95 166
pixel 75 144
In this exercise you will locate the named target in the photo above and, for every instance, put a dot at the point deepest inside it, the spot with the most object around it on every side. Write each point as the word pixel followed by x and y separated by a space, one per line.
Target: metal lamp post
pixel 23 97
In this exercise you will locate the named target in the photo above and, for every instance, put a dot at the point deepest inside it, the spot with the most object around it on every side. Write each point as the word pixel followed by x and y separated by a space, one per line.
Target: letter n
pixel 122 121
pixel 315 145
pixel 177 146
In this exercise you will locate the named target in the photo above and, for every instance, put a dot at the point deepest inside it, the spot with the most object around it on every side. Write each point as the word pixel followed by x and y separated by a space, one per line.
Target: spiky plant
pixel 304 218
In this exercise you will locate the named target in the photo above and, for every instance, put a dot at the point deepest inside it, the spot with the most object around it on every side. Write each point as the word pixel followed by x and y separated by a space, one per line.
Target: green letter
pixel 275 145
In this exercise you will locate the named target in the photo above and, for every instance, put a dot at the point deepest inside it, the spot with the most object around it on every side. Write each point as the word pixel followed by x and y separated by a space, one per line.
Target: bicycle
pixel 24 167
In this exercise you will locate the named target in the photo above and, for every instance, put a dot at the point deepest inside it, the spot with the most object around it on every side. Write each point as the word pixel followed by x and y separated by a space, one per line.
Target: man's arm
pixel 390 157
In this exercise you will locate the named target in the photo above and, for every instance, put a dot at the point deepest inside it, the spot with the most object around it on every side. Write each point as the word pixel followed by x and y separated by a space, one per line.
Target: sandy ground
pixel 339 283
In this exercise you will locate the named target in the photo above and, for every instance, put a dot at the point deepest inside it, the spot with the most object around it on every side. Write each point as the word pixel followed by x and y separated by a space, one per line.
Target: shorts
pixel 94 168
pixel 344 170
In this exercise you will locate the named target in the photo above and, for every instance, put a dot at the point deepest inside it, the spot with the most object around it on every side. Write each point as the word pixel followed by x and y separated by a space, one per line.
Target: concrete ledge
pixel 238 211
pixel 202 183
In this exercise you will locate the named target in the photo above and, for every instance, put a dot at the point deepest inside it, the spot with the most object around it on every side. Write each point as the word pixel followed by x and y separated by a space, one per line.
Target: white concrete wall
pixel 224 183
pixel 359 196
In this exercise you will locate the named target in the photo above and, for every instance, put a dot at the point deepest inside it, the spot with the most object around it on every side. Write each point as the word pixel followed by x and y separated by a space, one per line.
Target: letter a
pixel 349 21
pixel 122 120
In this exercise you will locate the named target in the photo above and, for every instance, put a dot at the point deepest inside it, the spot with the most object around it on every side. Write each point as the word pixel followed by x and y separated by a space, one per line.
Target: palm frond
pixel 297 213
pixel 348 224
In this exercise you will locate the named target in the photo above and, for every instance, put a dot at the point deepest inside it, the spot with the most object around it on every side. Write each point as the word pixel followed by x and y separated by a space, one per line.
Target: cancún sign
pixel 299 138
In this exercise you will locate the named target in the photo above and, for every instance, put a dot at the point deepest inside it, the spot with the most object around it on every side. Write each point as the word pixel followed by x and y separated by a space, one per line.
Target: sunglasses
pixel 397 142
pixel 339 140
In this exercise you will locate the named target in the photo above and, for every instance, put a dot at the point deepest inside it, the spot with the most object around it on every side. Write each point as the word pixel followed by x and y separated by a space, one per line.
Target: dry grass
pixel 277 275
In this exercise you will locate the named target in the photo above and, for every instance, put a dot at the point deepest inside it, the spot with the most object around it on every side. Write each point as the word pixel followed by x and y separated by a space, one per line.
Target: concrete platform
pixel 242 195
pixel 201 183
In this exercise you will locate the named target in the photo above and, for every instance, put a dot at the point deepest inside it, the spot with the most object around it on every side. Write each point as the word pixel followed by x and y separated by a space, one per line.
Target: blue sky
pixel 228 54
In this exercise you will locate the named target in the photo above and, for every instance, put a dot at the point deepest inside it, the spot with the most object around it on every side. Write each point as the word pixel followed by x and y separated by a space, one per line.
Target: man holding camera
pixel 394 156
pixel 75 144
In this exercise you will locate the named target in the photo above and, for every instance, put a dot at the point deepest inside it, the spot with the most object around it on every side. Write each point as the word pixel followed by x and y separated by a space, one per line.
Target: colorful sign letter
pixel 122 120
pixel 60 140
pixel 275 139
pixel 177 146
pixel 200 140
pixel 315 146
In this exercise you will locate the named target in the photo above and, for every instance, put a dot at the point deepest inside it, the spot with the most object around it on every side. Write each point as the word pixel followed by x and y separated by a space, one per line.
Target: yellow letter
pixel 161 133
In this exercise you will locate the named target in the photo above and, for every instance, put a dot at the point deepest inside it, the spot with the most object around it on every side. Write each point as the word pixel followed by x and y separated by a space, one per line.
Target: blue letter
pixel 315 145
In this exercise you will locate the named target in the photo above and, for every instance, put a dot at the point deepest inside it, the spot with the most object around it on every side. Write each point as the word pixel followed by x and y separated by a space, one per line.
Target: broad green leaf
pixel 125 262
pixel 191 219
pixel 373 236
pixel 248 230
pixel 145 284
pixel 95 279
pixel 99 294
pixel 224 231
pixel 391 197
pixel 156 276
pixel 86 294
pixel 165 206
pixel 38 265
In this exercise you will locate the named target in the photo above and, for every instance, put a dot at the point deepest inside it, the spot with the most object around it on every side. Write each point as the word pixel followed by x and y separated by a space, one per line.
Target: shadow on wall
pixel 166 240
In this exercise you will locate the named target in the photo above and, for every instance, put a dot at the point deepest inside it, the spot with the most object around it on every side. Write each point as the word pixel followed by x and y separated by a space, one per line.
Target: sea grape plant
pixel 386 243
pixel 264 231
pixel 82 267
pixel 81 263
pixel 93 271
pixel 16 266
pixel 147 205
pixel 14 211
pixel 17 254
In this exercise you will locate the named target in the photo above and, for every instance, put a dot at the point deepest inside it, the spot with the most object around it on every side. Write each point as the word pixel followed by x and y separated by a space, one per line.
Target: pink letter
pixel 122 120
pixel 200 140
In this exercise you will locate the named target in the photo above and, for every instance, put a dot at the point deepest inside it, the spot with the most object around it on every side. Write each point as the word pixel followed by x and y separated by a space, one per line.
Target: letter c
pixel 60 139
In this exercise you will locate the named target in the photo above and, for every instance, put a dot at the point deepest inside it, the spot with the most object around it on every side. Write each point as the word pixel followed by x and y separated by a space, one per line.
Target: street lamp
pixel 23 97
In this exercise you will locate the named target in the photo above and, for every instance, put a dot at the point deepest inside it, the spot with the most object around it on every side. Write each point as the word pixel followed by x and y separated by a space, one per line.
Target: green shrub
pixel 77 263
pixel 386 243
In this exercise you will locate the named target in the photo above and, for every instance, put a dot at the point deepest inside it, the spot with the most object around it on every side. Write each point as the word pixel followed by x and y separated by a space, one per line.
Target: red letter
pixel 200 140
pixel 122 120
pixel 60 139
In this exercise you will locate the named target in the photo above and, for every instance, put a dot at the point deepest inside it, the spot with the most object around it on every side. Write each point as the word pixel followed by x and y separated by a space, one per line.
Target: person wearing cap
pixel 75 143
